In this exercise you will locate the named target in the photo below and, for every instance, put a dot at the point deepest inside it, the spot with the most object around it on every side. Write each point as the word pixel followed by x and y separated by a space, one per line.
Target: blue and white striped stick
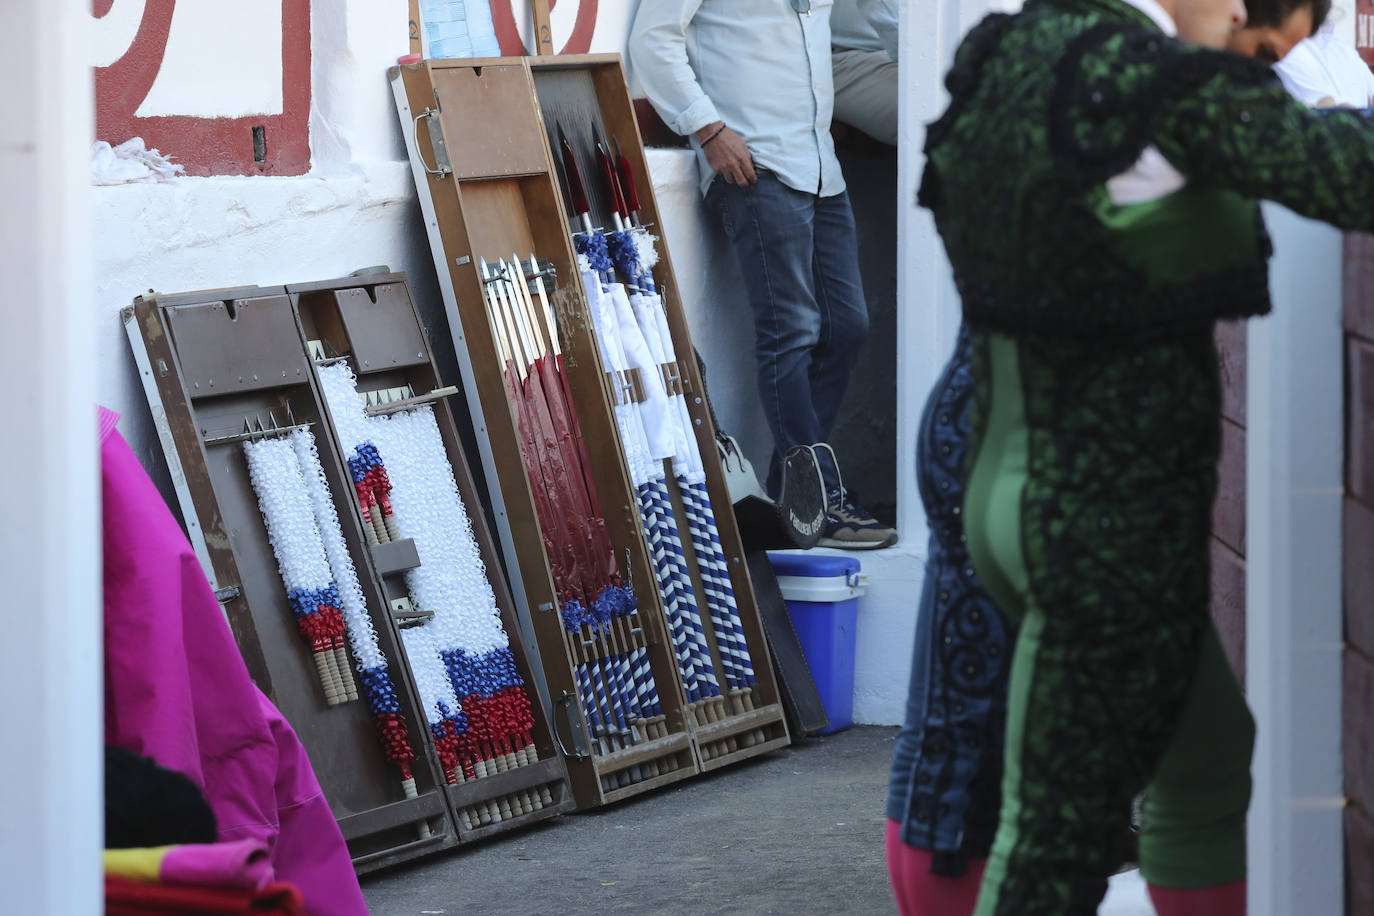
pixel 668 531
pixel 635 256
pixel 707 537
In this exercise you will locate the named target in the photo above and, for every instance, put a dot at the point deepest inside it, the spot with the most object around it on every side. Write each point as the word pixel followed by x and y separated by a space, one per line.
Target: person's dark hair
pixel 1274 13
pixel 147 804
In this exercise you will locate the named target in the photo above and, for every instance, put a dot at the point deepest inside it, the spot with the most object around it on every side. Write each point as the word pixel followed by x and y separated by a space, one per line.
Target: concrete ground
pixel 797 832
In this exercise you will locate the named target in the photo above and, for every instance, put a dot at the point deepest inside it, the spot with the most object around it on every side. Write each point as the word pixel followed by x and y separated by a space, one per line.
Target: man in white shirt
pixel 750 82
pixel 1325 70
pixel 863 39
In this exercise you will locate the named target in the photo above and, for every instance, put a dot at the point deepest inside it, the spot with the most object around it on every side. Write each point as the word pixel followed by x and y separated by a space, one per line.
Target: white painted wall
pixel 204 73
pixel 1294 481
pixel 927 321
pixel 356 208
pixel 50 782
pixel 111 35
pixel 613 18
pixel 1342 18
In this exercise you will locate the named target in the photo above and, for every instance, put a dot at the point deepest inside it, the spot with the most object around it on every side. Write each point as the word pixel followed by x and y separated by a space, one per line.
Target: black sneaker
pixel 849 526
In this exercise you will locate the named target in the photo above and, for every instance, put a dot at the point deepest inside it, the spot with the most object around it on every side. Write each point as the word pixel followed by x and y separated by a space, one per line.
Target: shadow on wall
pixel 866 435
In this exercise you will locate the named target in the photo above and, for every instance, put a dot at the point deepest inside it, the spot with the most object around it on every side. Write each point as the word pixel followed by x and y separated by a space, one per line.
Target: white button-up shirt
pixel 1152 176
pixel 759 66
pixel 865 25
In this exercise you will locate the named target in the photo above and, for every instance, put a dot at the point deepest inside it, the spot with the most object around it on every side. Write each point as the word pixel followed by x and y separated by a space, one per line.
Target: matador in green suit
pixel 1095 182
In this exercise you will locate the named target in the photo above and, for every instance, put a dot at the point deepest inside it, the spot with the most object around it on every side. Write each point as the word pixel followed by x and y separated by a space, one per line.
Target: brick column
pixel 1228 514
pixel 1357 725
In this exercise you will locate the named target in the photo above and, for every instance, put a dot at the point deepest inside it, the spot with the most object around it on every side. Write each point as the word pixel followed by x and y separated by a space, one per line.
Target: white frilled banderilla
pixel 632 251
pixel 646 417
pixel 634 255
pixel 322 583
pixel 475 699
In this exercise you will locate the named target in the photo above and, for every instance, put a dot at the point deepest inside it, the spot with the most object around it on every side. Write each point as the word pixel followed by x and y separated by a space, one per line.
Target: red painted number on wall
pixel 578 42
pixel 1364 30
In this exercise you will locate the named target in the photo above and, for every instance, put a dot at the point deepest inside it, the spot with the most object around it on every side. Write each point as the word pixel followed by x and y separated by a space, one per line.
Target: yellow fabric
pixel 137 864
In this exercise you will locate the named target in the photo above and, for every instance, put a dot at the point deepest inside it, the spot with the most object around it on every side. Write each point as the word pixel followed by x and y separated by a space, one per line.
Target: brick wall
pixel 1357 718
pixel 1228 514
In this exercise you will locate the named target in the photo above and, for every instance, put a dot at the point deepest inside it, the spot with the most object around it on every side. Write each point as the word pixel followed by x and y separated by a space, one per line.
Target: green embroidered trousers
pixel 1088 516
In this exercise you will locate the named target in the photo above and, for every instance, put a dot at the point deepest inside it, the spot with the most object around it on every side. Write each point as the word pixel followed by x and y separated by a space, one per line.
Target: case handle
pixel 442 165
pixel 564 703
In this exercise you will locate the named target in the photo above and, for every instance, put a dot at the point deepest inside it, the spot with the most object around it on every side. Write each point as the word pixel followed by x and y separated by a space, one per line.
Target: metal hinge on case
pixel 406 616
pixel 442 165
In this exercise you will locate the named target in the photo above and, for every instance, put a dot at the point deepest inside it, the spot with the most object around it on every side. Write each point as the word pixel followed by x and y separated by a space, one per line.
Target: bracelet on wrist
pixel 713 136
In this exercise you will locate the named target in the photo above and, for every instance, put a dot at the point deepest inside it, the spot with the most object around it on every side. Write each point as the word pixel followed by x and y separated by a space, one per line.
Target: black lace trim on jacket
pixel 1167 69
pixel 961 81
pixel 1135 313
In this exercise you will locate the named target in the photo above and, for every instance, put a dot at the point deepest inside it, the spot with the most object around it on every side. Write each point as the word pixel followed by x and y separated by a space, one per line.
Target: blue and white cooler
pixel 822 592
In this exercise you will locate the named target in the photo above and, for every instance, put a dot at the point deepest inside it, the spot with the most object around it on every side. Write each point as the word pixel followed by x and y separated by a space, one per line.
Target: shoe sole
pixel 857 545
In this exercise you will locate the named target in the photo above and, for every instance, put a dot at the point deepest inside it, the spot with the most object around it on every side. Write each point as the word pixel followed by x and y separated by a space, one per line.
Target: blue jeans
pixel 800 260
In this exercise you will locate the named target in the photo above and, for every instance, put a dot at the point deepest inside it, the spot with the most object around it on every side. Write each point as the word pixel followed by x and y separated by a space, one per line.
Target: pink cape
pixel 177 690
pixel 244 864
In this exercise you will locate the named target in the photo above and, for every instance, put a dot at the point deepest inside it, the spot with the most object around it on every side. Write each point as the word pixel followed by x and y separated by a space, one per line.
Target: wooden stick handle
pixel 350 686
pixel 543 35
pixel 497 764
pixel 408 787
pixel 468 816
pixel 532 756
pixel 368 530
pixel 329 677
pixel 336 683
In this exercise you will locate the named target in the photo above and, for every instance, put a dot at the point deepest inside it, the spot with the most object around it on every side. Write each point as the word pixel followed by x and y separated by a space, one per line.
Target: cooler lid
pixel 811 564
pixel 804 576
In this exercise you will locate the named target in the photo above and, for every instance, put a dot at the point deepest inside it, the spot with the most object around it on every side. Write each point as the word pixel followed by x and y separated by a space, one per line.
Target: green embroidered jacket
pixel 1049 103
pixel 1108 311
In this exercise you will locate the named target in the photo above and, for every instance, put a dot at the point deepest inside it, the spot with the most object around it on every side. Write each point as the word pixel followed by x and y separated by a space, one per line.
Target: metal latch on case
pixel 406 616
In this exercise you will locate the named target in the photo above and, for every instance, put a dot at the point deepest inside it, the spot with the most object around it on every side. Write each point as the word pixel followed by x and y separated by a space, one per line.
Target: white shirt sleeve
pixel 1303 77
pixel 882 15
pixel 658 56
pixel 1324 67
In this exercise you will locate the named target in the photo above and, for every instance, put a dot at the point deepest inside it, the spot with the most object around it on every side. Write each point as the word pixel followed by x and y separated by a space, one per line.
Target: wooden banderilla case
pixel 225 367
pixel 479 135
